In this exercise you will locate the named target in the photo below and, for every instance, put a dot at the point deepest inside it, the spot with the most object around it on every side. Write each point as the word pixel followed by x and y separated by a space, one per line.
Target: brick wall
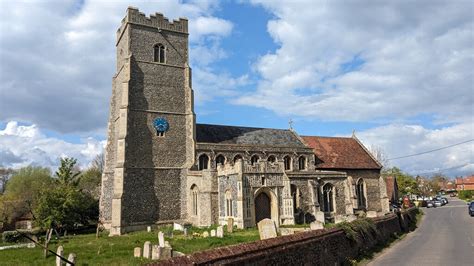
pixel 318 247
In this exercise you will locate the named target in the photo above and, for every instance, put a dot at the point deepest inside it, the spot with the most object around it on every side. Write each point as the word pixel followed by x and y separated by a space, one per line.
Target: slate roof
pixel 246 135
pixel 340 153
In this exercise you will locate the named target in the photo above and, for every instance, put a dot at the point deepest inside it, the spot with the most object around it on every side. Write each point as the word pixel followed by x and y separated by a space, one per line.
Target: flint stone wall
pixel 317 247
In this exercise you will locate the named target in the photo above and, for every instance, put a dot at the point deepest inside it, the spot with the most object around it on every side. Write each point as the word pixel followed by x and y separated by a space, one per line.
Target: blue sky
pixel 398 73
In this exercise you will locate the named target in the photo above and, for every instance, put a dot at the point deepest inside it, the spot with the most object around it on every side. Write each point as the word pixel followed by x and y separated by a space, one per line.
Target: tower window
pixel 237 157
pixel 159 53
pixel 203 162
pixel 271 159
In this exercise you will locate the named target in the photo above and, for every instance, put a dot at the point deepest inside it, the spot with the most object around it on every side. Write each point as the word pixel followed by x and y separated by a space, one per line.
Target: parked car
pixel 430 204
pixel 446 199
pixel 438 203
pixel 470 208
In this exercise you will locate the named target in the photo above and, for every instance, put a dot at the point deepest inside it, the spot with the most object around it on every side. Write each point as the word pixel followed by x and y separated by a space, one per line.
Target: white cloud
pixel 398 140
pixel 57 58
pixel 27 145
pixel 417 59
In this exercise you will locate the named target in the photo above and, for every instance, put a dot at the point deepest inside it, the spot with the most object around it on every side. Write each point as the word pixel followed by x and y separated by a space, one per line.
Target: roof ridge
pixel 204 124
pixel 328 137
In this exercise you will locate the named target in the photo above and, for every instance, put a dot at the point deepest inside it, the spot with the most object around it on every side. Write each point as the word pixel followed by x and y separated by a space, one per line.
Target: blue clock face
pixel 160 124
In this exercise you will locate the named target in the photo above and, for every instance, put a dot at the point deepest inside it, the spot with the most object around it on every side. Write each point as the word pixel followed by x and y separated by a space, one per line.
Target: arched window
pixel 228 200
pixel 287 161
pixel 328 202
pixel 194 199
pixel 220 159
pixel 203 162
pixel 159 53
pixel 302 163
pixel 361 202
pixel 254 159
pixel 237 157
pixel 271 159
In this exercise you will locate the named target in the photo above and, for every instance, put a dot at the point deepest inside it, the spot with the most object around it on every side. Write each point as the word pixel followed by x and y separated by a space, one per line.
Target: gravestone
pixel 185 231
pixel 371 214
pixel 155 252
pixel 286 231
pixel 161 239
pixel 60 252
pixel 220 231
pixel 320 217
pixel 316 225
pixel 165 253
pixel 147 250
pixel 213 233
pixel 266 229
pixel 230 225
pixel 178 227
pixel 205 234
pixel 137 252
pixel 72 259
pixel 339 218
pixel 148 229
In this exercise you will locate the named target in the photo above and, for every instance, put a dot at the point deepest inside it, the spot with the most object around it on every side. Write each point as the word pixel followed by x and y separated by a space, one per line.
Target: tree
pixel 406 183
pixel 22 192
pixel 89 182
pixel 67 174
pixel 380 155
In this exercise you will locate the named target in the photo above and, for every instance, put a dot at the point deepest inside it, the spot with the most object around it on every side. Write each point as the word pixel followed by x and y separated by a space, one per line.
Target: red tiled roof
pixel 390 185
pixel 340 153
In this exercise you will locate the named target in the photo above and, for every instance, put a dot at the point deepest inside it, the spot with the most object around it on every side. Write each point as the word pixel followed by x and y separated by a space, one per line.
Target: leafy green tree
pixel 65 207
pixel 22 192
pixel 67 174
pixel 406 183
pixel 89 182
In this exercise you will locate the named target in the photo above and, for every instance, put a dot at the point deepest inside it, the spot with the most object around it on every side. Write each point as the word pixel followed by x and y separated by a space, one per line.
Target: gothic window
pixel 194 199
pixel 328 202
pixel 203 162
pixel 302 163
pixel 220 159
pixel 271 159
pixel 237 157
pixel 361 201
pixel 228 200
pixel 254 159
pixel 287 161
pixel 159 53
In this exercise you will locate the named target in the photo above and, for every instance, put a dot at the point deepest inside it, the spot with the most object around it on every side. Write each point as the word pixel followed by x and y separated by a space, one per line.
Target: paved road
pixel 445 237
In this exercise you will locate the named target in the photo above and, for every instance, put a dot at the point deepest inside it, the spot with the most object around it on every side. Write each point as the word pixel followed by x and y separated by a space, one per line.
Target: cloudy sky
pixel 399 73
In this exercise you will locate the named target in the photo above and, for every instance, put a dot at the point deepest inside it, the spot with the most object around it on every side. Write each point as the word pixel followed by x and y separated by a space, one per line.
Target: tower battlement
pixel 158 20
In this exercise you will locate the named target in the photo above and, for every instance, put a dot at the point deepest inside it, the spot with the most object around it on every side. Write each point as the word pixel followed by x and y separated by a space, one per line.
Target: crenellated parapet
pixel 156 21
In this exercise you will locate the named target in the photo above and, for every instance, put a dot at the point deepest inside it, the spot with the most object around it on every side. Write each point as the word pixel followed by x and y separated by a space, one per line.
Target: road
pixel 445 237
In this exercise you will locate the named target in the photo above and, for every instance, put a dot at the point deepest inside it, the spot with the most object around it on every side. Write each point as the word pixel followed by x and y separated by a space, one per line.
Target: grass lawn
pixel 118 250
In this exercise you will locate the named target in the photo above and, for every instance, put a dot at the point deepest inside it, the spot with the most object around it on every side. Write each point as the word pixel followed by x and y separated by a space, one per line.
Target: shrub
pixel 466 194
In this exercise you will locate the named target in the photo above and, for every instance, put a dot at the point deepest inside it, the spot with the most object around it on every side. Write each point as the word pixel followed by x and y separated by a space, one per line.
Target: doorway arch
pixel 266 205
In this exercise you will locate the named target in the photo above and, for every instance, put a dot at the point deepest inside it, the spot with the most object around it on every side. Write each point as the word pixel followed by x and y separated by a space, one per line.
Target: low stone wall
pixel 318 247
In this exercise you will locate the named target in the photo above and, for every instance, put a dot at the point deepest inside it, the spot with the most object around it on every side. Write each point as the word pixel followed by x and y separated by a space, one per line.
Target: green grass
pixel 118 250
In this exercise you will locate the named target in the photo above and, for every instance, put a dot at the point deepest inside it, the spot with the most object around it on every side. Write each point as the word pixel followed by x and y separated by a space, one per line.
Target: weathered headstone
pixel 178 227
pixel 165 253
pixel 205 234
pixel 230 225
pixel 175 253
pixel 72 259
pixel 371 214
pixel 320 217
pixel 266 229
pixel 220 231
pixel 316 225
pixel 161 239
pixel 147 250
pixel 60 252
pixel 286 231
pixel 148 229
pixel 155 252
pixel 137 252
pixel 213 233
pixel 185 231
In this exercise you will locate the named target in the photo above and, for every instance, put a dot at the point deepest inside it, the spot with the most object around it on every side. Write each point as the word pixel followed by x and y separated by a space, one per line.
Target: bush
pixel 466 194
pixel 11 236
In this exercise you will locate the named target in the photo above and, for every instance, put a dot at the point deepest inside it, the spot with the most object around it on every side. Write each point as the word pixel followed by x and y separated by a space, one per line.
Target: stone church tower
pixel 151 128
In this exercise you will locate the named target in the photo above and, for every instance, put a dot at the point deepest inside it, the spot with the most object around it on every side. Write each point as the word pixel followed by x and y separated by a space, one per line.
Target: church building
pixel 163 167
